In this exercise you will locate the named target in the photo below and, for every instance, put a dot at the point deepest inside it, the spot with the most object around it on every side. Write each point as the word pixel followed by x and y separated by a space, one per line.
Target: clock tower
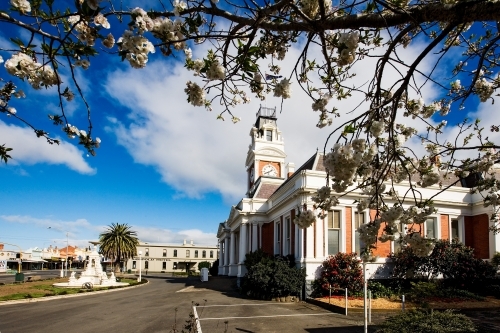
pixel 266 154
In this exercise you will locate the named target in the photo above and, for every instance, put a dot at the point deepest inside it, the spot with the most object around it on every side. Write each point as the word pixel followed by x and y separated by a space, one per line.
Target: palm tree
pixel 119 243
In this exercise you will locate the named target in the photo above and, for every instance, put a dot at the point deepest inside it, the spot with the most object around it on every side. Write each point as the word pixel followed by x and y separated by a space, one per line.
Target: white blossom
pixel 376 128
pixel 196 95
pixel 283 89
pixel 101 20
pixel 305 219
pixel 22 5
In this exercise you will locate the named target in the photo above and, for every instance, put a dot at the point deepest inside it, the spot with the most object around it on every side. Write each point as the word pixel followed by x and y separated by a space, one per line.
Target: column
pixel 221 253
pixel 260 235
pixel 243 243
pixel 226 251
pixel 231 249
pixel 296 248
pixel 255 240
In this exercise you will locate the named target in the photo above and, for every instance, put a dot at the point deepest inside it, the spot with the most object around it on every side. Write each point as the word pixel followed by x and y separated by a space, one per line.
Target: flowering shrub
pixel 342 271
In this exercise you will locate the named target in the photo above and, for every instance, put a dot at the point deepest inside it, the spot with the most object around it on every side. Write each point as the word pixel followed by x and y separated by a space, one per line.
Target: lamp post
pixel 66 273
pixel 140 267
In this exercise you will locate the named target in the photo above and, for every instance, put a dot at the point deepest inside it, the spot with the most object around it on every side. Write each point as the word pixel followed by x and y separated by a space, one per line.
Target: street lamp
pixel 66 273
pixel 140 266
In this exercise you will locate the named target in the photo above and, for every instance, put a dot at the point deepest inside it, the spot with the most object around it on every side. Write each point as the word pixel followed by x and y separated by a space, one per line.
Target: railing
pixel 266 112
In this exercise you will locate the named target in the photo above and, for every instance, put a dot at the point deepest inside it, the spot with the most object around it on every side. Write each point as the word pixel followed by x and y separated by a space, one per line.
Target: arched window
pixel 175 253
pixel 204 254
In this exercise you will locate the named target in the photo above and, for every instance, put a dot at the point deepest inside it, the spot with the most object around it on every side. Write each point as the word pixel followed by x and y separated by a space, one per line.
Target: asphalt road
pixel 152 308
pixel 10 278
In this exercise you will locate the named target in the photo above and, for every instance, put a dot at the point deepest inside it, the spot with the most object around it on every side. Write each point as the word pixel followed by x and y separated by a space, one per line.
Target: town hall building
pixel 263 219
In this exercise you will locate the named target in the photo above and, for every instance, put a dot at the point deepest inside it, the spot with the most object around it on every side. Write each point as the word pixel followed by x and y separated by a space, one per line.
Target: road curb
pixel 50 298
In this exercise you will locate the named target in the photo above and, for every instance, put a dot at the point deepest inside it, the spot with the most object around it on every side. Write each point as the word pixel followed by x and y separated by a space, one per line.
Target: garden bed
pixel 394 303
pixel 43 288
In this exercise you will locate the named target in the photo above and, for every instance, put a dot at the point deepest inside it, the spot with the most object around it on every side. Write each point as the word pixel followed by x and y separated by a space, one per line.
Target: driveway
pixel 152 308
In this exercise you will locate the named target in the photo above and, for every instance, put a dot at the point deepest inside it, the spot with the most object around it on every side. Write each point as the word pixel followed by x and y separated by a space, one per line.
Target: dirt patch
pixel 391 304
pixel 29 287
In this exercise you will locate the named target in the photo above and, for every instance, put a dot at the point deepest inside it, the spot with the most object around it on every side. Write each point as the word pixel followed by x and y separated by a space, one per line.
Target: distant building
pixel 264 219
pixel 158 257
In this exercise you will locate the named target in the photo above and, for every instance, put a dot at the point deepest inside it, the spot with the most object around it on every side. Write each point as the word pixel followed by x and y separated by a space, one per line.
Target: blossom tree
pixel 368 152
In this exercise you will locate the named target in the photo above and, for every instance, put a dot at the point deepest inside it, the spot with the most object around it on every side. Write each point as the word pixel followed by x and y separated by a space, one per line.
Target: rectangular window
pixel 196 253
pixel 211 254
pixel 146 264
pixel 359 219
pixel 188 253
pixel 175 253
pixel 269 135
pixel 333 232
pixel 454 229
pixel 164 265
pixel 204 254
pixel 146 252
pixel 164 252
pixel 134 264
pixel 278 238
pixel 430 228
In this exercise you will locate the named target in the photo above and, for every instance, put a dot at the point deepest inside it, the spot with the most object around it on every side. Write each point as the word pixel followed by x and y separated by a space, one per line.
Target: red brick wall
pixel 477 234
pixel 268 238
pixel 348 229
pixel 445 227
pixel 383 249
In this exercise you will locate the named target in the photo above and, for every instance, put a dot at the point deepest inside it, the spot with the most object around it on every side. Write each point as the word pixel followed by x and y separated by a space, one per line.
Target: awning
pixel 41 260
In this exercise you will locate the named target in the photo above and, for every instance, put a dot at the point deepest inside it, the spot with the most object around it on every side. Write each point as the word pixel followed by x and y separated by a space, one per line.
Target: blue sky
pixel 170 170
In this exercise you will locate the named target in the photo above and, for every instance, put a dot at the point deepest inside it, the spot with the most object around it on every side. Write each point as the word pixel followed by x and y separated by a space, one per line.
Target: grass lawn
pixel 44 288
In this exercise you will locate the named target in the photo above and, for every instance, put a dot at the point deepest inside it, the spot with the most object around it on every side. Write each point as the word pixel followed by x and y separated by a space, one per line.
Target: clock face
pixel 269 170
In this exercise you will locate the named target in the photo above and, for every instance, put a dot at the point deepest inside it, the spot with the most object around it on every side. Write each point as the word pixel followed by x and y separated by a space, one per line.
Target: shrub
pixel 255 257
pixel 203 264
pixel 340 271
pixel 271 276
pixel 379 290
pixel 419 321
pixel 455 261
pixel 423 290
pixel 214 270
pixel 495 261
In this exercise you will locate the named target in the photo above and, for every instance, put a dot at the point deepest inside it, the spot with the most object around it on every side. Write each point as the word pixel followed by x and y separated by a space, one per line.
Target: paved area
pixel 165 304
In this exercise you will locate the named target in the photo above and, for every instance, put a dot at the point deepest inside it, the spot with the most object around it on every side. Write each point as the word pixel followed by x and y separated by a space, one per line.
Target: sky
pixel 168 169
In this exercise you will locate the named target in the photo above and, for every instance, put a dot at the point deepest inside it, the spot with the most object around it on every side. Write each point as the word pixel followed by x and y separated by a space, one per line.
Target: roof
pixel 266 190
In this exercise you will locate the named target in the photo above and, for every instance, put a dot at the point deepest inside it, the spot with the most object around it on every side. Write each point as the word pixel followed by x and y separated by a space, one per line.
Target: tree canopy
pixel 402 103
pixel 118 242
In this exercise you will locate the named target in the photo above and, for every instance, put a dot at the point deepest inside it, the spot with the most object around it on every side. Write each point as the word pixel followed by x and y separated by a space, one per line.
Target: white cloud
pixel 159 235
pixel 29 149
pixel 194 153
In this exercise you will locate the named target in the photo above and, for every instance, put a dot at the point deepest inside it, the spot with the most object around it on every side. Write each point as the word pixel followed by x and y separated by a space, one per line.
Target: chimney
pixel 1 246
pixel 290 169
pixel 184 243
pixel 192 243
